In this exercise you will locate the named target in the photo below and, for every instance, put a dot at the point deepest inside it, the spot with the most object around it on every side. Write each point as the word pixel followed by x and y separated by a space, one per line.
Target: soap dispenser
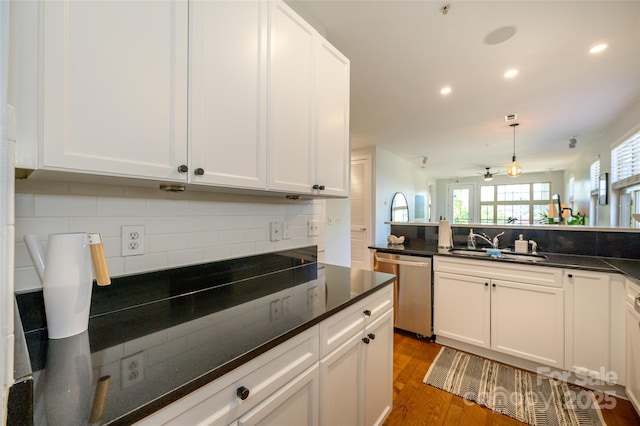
pixel 521 245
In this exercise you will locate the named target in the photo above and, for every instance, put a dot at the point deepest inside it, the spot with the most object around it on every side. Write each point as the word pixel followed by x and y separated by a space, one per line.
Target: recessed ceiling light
pixel 445 90
pixel 598 48
pixel 510 73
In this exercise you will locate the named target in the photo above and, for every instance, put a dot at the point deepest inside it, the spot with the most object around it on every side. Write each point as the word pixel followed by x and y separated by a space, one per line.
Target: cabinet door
pixel 462 308
pixel 588 320
pixel 228 84
pixel 294 404
pixel 340 384
pixel 291 97
pixel 376 395
pixel 527 321
pixel 632 388
pixel 332 125
pixel 115 87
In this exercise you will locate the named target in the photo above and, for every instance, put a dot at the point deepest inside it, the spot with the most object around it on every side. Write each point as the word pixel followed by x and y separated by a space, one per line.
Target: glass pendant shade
pixel 514 169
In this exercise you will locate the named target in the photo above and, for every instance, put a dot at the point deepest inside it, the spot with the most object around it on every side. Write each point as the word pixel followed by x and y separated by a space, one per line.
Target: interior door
pixel 361 212
pixel 461 203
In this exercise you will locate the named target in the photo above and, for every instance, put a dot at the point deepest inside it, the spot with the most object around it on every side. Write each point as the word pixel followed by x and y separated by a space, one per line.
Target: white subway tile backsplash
pixel 110 206
pixel 145 262
pixel 185 257
pixel 180 229
pixel 41 227
pixel 154 339
pixel 72 205
pixel 165 243
pixel 25 205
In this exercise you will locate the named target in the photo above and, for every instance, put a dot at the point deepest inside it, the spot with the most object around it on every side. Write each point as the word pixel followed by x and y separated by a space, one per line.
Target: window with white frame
pixel 625 163
pixel 594 176
pixel 525 203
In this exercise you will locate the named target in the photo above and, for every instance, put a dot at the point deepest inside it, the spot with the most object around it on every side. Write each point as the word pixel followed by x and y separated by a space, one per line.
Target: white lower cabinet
pixel 267 381
pixel 514 309
pixel 527 321
pixel 593 314
pixel 357 371
pixel 294 404
pixel 632 380
pixel 462 309
pixel 291 385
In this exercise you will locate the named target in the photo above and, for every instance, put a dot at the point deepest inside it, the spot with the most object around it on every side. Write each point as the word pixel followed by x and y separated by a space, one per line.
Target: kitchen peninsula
pixel 180 333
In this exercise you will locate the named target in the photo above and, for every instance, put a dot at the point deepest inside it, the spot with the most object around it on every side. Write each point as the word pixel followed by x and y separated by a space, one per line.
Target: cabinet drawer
pixel 340 327
pixel 531 274
pixel 218 403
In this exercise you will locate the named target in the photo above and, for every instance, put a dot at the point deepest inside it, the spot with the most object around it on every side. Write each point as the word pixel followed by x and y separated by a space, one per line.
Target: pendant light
pixel 487 176
pixel 514 169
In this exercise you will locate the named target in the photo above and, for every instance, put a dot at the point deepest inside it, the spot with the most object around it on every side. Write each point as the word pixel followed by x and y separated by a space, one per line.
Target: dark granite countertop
pixel 627 267
pixel 187 340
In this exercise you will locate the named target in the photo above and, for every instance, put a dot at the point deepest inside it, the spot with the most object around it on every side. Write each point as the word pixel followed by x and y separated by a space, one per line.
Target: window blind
pixel 625 162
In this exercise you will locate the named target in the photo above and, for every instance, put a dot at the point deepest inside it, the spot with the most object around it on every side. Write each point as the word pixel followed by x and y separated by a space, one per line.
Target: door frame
pixel 473 202
pixel 368 206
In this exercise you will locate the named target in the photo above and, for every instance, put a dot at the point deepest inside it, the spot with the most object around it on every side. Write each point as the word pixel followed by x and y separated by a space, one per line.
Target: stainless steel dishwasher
pixel 412 293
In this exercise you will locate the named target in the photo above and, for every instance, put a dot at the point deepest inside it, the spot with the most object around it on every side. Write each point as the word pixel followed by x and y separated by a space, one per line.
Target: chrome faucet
pixel 494 243
pixel 534 247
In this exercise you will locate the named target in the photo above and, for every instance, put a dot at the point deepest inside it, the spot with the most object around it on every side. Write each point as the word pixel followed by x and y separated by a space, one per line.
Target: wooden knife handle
pixel 99 399
pixel 99 260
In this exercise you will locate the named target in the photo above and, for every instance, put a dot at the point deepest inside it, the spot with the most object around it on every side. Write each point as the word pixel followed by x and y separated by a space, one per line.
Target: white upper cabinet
pixel 291 100
pixel 308 132
pixel 233 94
pixel 114 88
pixel 228 93
pixel 332 128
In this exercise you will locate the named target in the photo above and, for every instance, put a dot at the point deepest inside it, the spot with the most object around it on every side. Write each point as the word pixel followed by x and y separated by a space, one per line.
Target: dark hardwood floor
pixel 415 403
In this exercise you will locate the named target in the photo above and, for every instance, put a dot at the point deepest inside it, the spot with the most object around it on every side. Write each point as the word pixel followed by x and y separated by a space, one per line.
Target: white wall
pixel 180 228
pixel 393 174
pixel 626 124
pixel 6 219
pixel 338 232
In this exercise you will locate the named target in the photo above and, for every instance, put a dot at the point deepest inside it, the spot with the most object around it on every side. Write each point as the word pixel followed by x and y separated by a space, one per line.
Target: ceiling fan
pixel 488 176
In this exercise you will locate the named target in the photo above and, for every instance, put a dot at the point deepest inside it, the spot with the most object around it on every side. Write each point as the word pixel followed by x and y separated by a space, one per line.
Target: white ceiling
pixel 403 52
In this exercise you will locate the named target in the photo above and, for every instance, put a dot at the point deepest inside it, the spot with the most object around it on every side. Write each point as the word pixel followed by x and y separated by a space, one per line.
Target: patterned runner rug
pixel 525 396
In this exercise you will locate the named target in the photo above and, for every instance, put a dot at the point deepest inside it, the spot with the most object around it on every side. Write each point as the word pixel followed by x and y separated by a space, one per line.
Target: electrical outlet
pixel 275 310
pixel 313 228
pixel 132 238
pixel 286 230
pixel 286 306
pixel 276 231
pixel 132 369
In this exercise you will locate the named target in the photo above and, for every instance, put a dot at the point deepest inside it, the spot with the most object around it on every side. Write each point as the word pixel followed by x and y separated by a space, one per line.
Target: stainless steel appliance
pixel 412 290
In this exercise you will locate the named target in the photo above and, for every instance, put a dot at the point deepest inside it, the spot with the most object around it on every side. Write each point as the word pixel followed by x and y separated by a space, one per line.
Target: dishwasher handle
pixel 404 262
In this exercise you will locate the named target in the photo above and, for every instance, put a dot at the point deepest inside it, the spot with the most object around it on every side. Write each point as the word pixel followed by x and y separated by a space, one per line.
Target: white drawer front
pixel 340 327
pixel 531 274
pixel 218 404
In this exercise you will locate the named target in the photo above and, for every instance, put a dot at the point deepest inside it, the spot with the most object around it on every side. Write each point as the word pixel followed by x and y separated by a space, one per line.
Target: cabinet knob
pixel 371 336
pixel 367 312
pixel 242 392
pixel 570 275
pixel 486 284
pixel 316 186
pixel 321 187
pixel 366 340
pixel 199 171
pixel 182 168
pixel 493 285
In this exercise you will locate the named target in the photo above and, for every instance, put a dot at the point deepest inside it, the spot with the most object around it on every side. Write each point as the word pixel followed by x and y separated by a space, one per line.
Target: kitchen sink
pixel 504 255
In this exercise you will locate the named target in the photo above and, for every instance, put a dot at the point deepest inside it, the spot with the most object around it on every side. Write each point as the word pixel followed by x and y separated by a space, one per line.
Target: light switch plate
pixel 286 230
